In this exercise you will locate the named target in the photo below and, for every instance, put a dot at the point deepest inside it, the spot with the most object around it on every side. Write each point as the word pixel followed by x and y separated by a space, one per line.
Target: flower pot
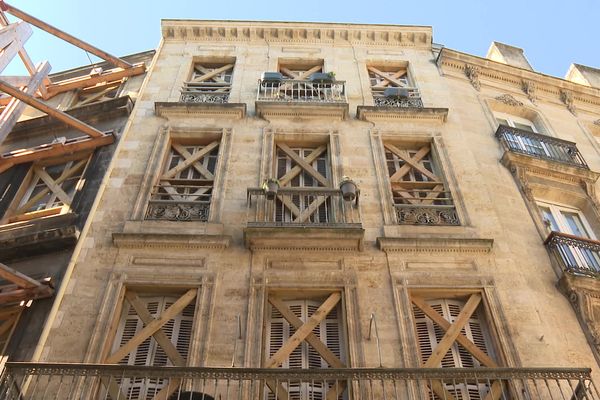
pixel 348 188
pixel 271 187
pixel 321 77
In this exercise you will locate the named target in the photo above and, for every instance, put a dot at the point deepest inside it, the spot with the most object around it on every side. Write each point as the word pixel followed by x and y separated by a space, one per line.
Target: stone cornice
pixel 201 110
pixel 435 244
pixel 474 68
pixel 297 32
pixel 394 114
pixel 308 239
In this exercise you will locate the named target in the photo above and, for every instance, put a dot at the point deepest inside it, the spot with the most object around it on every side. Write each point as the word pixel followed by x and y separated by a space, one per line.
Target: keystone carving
pixel 529 89
pixel 472 73
pixel 509 100
pixel 567 98
pixel 597 122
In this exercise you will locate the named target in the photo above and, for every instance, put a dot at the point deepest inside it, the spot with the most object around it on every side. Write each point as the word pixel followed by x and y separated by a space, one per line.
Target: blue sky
pixel 553 34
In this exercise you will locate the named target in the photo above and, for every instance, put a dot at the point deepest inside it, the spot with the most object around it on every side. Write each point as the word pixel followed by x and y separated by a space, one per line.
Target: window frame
pixel 32 179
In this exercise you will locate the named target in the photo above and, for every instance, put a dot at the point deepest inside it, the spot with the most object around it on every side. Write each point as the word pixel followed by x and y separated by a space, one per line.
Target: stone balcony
pixel 303 217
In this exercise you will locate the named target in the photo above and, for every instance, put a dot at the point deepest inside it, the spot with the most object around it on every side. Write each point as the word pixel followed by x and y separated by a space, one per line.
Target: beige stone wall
pixel 534 323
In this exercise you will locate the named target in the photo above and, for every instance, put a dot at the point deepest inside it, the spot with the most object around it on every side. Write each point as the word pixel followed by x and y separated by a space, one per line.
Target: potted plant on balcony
pixel 323 77
pixel 348 188
pixel 270 187
pixel 271 78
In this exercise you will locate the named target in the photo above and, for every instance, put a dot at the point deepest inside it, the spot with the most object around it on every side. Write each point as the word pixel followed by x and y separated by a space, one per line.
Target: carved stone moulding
pixel 271 110
pixel 304 238
pixel 162 240
pixel 509 100
pixel 435 244
pixel 200 109
pixel 472 73
pixel 409 114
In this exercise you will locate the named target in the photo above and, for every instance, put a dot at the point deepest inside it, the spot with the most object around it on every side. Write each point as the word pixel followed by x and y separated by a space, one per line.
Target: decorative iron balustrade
pixel 118 382
pixel 302 206
pixel 540 146
pixel 575 254
pixel 294 90
pixel 205 92
pixel 179 203
pixel 412 100
pixel 419 214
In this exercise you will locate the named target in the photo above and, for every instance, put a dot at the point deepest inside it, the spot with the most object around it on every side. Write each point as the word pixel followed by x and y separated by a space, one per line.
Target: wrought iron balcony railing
pixel 116 382
pixel 575 254
pixel 420 214
pixel 540 146
pixel 302 206
pixel 205 92
pixel 411 99
pixel 179 202
pixel 293 90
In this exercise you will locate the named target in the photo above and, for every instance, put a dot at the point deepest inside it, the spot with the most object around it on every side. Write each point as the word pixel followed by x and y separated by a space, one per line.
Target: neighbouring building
pixel 321 211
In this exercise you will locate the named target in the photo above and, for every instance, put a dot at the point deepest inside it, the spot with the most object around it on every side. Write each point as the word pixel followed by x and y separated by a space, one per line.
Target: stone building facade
pixel 290 197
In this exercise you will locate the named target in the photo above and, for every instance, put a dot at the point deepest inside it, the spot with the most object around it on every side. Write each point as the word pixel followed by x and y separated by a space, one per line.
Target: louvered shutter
pixel 149 353
pixel 305 356
pixel 430 334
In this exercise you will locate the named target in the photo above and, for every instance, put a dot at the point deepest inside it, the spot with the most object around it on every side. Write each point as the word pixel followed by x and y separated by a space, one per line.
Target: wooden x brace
pixel 393 78
pixel 304 332
pixel 153 327
pixel 453 333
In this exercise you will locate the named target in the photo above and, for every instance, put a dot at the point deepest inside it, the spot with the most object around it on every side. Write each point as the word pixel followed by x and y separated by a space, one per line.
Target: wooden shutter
pixel 149 353
pixel 305 356
pixel 430 334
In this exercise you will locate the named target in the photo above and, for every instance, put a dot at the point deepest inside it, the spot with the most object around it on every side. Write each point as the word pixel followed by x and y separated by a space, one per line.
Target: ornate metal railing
pixel 293 90
pixel 179 202
pixel 205 92
pixel 115 382
pixel 540 146
pixel 412 100
pixel 575 254
pixel 303 206
pixel 418 214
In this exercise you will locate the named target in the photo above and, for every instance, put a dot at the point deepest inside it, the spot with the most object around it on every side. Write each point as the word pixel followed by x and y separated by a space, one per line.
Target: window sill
pixel 205 110
pixel 185 234
pixel 393 114
pixel 296 109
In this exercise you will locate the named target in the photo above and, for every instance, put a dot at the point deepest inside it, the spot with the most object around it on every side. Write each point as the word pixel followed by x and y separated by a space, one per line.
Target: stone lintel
pixel 204 110
pixel 161 240
pixel 394 114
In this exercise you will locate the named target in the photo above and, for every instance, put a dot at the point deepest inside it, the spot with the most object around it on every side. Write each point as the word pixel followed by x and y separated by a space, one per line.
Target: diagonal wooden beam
pixel 496 391
pixel 18 31
pixel 190 160
pixel 11 114
pixel 63 35
pixel 9 52
pixel 8 324
pixel 411 162
pixel 395 75
pixel 300 334
pixel 335 392
pixel 61 116
pixel 291 174
pixel 303 164
pixel 54 187
pixel 311 338
pixel 311 209
pixel 213 73
pixel 90 81
pixel 17 277
pixel 483 358
pixel 152 327
pixel 386 77
pixel 160 336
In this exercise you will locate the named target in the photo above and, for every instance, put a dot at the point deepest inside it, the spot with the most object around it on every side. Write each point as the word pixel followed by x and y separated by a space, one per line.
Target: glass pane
pixel 502 121
pixel 575 224
pixel 524 127
pixel 549 219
